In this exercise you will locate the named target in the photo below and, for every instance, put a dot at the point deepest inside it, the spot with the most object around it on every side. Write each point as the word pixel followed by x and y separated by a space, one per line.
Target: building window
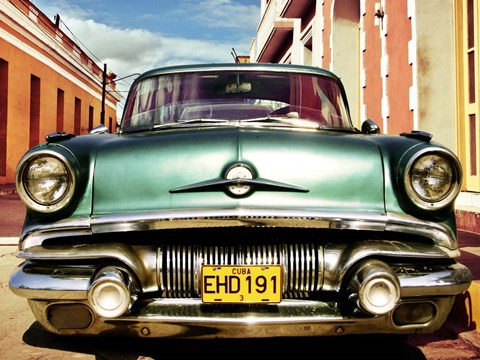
pixel 60 109
pixel 77 121
pixel 90 117
pixel 473 145
pixel 34 111
pixel 3 116
pixel 468 16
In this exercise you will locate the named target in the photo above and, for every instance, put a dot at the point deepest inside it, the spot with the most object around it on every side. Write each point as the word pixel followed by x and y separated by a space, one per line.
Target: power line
pixel 47 34
pixel 77 40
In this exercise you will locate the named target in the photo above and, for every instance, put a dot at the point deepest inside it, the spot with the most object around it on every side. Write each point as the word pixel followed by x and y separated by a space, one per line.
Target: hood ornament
pixel 239 180
pixel 238 174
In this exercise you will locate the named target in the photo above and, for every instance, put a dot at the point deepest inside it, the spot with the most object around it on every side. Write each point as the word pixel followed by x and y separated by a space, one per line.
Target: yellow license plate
pixel 241 284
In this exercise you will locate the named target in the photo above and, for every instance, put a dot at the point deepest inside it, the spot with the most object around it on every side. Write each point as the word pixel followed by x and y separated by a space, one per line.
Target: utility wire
pixel 47 34
pixel 78 42
pixel 54 39
pixel 71 35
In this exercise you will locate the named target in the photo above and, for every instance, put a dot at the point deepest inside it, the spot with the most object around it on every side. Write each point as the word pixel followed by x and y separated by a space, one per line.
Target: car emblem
pixel 239 180
pixel 238 174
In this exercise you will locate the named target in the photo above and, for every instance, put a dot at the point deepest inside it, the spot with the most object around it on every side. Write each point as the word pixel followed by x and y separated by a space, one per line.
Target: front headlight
pixel 433 178
pixel 45 181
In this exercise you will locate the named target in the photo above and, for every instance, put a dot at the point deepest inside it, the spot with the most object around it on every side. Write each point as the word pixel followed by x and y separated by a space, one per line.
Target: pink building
pixel 405 64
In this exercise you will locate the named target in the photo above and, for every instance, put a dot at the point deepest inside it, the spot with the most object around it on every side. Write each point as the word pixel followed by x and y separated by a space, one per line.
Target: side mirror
pixel 369 127
pixel 100 129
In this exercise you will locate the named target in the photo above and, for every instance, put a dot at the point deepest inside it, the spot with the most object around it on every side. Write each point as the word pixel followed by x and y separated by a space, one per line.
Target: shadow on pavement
pixel 105 348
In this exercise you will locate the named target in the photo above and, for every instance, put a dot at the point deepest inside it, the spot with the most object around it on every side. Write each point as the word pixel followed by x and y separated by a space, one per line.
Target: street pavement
pixel 22 338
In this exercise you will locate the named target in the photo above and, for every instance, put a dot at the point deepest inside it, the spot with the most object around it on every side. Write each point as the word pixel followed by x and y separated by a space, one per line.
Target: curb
pixel 8 189
pixel 9 241
pixel 468 220
pixel 465 311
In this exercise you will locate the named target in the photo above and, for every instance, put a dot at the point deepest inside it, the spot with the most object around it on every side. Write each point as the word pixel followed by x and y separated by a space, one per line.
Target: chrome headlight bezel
pixel 55 185
pixel 432 178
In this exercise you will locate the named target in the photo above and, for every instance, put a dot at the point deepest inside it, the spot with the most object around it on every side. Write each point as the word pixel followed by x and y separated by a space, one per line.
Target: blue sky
pixel 136 36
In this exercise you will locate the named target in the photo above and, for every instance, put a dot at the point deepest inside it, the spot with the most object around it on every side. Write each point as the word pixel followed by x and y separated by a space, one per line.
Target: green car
pixel 235 201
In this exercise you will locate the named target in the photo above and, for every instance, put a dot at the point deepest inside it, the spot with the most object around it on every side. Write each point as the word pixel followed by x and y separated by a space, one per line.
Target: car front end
pixel 239 201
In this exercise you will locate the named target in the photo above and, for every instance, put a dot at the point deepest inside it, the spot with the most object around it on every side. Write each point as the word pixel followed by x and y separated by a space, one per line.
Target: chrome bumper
pixel 189 318
pixel 451 280
pixel 53 301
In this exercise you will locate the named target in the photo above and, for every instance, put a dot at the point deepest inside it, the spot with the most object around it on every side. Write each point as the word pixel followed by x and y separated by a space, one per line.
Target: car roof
pixel 238 67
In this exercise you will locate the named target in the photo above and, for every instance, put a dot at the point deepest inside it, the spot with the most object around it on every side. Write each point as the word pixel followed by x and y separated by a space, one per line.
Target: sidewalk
pixel 12 214
pixel 465 315
pixel 466 311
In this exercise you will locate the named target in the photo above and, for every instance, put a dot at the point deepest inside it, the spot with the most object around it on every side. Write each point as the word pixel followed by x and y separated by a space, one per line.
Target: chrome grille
pixel 179 266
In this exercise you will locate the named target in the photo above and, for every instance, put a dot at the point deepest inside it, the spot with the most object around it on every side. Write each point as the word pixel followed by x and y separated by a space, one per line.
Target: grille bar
pixel 179 266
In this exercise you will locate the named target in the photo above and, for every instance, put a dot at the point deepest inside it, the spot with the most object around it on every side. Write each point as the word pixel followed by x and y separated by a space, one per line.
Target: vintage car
pixel 239 201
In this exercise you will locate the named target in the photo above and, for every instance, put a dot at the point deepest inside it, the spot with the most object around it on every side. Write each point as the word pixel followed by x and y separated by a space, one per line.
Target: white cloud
pixel 227 14
pixel 129 51
pixel 155 40
pixel 142 47
pixel 135 50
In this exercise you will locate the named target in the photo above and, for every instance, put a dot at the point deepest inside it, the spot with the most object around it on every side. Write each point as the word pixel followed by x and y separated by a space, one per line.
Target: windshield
pixel 234 95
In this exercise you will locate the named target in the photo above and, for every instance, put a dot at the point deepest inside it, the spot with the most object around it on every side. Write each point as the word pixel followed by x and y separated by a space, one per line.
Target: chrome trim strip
pixel 142 259
pixel 239 181
pixel 441 234
pixel 34 235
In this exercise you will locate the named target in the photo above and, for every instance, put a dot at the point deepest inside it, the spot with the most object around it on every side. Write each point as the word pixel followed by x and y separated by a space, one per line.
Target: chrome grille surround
pixel 439 233
pixel 179 266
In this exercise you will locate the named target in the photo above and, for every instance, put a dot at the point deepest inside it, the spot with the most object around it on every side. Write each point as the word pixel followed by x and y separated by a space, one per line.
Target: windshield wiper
pixel 277 120
pixel 286 120
pixel 180 123
pixel 202 120
pixel 299 123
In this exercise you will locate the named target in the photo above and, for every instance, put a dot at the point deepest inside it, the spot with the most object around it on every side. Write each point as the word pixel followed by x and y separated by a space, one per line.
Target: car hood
pixel 316 170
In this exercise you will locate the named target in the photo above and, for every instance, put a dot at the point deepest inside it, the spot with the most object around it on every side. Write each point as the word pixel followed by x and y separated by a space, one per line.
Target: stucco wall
pixel 21 66
pixel 434 34
pixel 27 51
